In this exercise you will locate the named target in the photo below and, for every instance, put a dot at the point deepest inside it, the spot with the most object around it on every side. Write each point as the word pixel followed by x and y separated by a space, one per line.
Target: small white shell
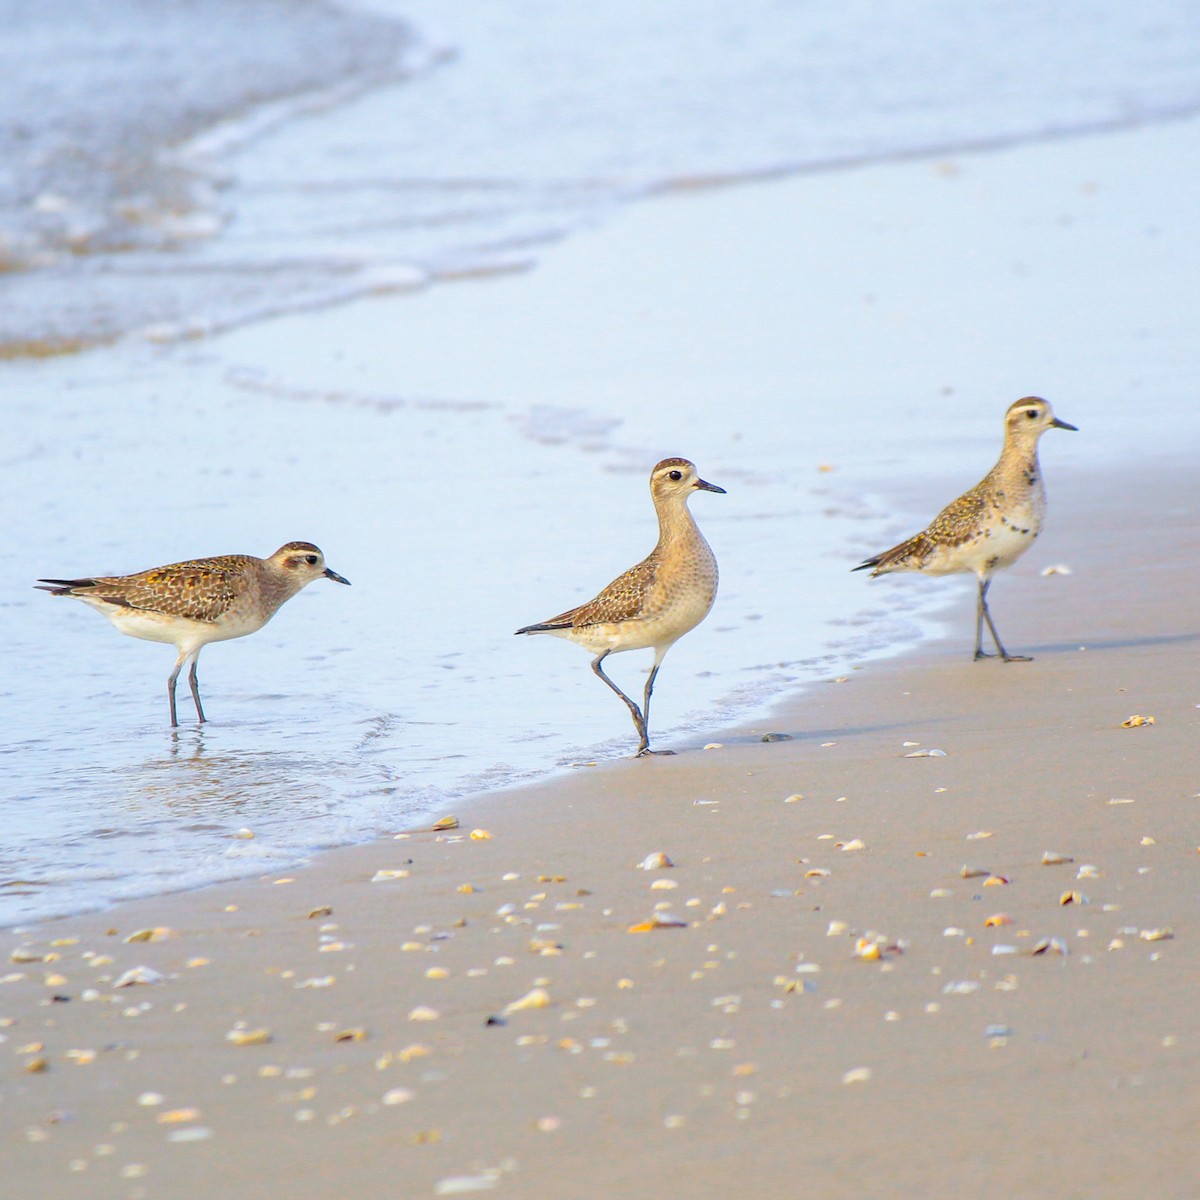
pixel 1051 945
pixel 537 998
pixel 1054 858
pixel 139 975
pixel 655 862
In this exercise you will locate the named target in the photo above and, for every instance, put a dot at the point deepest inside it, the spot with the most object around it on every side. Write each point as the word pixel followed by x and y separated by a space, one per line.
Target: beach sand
pixel 445 1013
pixel 751 1051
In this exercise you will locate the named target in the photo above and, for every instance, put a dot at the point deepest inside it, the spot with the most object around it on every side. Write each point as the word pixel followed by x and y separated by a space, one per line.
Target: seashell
pixel 1056 569
pixel 980 835
pixel 997 919
pixel 24 954
pixel 996 881
pixel 666 920
pixel 318 981
pixel 926 754
pixel 444 823
pixel 998 1031
pixel 137 975
pixel 249 1037
pixel 1121 800
pixel 82 1057
pixel 1156 935
pixel 243 834
pixel 969 872
pixel 437 973
pixel 795 798
pixel 355 1034
pixel 663 885
pixel 324 910
pixel 466 889
pixel 1004 948
pixel 35 1066
pixel 869 949
pixel 655 862
pixel 177 1116
pixel 53 980
pixel 460 1185
pixel 1072 898
pixel 158 934
pixel 386 873
pixel 424 1013
pixel 715 746
pixel 857 1075
pixel 660 920
pixel 836 929
pixel 150 1099
pixel 197 1133
pixel 953 931
pixel 1148 841
pixel 817 873
pixel 480 835
pixel 1088 871
pixel 940 893
pixel 397 1096
pixel 1051 945
pixel 1053 858
pixel 537 998
pixel 1136 721
pixel 544 946
pixel 961 987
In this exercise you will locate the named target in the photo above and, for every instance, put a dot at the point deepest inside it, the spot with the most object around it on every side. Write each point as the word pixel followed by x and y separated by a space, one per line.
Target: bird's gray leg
pixel 196 687
pixel 171 689
pixel 643 750
pixel 985 615
pixel 980 609
pixel 636 713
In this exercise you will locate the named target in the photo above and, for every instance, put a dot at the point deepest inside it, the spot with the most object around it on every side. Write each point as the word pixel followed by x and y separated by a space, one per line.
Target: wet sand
pixel 750 1049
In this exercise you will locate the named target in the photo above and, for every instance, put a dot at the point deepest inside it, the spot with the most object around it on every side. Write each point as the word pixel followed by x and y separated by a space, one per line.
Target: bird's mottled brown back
pixel 625 598
pixel 201 589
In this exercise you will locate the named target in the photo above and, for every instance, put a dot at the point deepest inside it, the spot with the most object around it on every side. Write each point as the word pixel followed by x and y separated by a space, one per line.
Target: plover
pixel 190 604
pixel 992 525
pixel 652 605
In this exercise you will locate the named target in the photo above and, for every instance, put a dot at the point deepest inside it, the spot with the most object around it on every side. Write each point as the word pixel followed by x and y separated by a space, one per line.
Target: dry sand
pixel 751 1052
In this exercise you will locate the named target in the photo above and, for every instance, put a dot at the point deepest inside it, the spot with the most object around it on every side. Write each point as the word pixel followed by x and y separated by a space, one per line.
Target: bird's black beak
pixel 335 577
pixel 705 486
pixel 1063 425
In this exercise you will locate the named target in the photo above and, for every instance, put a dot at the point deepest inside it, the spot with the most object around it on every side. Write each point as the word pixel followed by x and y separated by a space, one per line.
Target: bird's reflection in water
pixel 210 783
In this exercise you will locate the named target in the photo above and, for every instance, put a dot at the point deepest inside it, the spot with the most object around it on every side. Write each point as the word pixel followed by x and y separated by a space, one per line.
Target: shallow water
pixel 474 457
pixel 428 138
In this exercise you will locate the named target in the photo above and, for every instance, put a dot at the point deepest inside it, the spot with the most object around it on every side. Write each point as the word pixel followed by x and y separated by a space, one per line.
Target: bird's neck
pixel 675 524
pixel 1019 461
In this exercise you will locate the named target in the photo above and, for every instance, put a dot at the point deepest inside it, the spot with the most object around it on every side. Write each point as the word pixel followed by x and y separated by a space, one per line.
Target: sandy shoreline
pixel 729 1056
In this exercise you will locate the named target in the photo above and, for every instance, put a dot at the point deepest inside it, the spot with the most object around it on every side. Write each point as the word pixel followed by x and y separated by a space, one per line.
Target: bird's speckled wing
pixel 957 523
pixel 201 589
pixel 624 599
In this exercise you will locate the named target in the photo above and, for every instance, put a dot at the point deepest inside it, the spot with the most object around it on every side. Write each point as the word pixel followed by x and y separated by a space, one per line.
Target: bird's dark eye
pixel 1031 413
pixel 676 475
pixel 311 559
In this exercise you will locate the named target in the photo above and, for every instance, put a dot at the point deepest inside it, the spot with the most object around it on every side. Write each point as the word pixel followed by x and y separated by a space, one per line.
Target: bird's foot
pixel 1018 658
pixel 645 752
pixel 982 654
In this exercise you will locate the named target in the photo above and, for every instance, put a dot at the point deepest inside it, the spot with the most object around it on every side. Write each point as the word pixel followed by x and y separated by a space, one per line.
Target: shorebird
pixel 992 525
pixel 655 603
pixel 190 604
